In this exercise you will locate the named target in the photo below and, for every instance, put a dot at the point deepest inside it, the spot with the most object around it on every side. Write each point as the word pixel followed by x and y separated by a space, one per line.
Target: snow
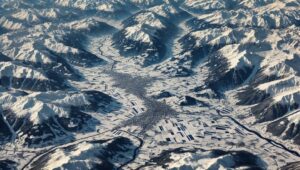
pixel 137 34
pixel 9 24
pixel 106 7
pixel 263 34
pixel 234 56
pixel 28 52
pixel 39 107
pixel 198 161
pixel 265 86
pixel 59 47
pixel 101 5
pixel 165 10
pixel 146 2
pixel 59 158
pixel 294 117
pixel 10 70
pixel 50 13
pixel 36 111
pixel 151 19
pixel 287 96
pixel 28 16
pixel 225 35
pixel 201 4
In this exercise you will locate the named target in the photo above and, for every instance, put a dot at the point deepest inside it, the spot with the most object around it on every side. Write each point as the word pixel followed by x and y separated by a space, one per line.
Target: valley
pixel 149 84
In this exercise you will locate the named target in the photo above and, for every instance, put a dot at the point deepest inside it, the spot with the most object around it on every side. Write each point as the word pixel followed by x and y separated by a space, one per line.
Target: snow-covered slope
pixel 41 117
pixel 198 159
pixel 143 35
pixel 39 56
pixel 249 44
pixel 99 154
pixel 76 72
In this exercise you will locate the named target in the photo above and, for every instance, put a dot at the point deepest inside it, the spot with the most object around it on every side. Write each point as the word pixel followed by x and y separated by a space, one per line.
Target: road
pixel 155 112
pixel 81 140
pixel 135 151
pixel 272 142
pixel 58 146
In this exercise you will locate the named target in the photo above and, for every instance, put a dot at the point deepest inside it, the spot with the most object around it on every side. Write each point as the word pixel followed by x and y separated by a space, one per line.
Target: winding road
pixel 272 142
pixel 136 150
pixel 27 165
pixel 81 140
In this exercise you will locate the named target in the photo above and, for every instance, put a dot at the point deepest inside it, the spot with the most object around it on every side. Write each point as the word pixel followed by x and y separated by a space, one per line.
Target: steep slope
pixel 100 154
pixel 146 33
pixel 249 44
pixel 115 84
pixel 215 159
pixel 41 118
pixel 143 35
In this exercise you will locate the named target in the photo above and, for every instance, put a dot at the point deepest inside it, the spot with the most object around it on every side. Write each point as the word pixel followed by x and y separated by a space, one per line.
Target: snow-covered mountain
pixel 199 159
pixel 88 83
pixel 99 154
pixel 40 117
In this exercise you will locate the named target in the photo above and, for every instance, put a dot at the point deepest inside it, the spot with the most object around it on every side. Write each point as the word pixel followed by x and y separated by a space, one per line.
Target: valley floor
pixel 157 120
pixel 163 125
